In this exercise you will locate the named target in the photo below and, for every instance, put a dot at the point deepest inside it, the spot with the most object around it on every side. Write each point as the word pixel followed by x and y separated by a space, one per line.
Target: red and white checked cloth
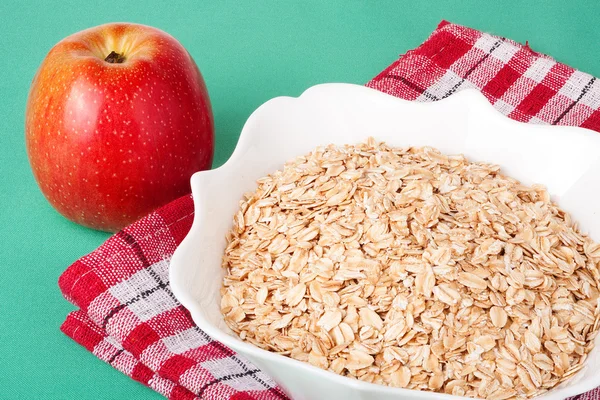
pixel 127 314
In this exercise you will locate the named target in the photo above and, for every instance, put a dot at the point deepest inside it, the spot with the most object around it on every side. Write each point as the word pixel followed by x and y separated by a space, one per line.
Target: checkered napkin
pixel 128 316
pixel 525 85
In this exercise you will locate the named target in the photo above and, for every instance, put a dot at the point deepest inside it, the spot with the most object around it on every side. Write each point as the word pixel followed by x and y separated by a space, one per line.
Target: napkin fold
pixel 127 315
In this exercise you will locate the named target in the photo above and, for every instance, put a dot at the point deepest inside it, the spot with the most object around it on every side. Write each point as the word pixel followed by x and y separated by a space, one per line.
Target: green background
pixel 248 52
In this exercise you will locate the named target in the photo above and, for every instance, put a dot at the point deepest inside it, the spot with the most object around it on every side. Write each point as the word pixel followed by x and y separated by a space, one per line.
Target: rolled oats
pixel 410 268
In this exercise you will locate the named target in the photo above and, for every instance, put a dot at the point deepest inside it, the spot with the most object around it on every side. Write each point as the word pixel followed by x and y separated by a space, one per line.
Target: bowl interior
pixel 565 160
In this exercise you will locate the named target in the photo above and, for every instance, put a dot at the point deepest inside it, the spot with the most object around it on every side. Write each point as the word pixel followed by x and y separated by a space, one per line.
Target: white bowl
pixel 566 160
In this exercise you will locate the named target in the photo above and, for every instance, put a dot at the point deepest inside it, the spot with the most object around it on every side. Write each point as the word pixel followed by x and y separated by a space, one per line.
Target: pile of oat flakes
pixel 410 268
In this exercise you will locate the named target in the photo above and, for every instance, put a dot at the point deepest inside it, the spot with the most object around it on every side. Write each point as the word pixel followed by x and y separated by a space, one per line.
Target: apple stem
pixel 114 57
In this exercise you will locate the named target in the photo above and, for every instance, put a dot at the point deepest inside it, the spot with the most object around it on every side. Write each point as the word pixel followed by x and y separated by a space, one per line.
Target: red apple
pixel 118 119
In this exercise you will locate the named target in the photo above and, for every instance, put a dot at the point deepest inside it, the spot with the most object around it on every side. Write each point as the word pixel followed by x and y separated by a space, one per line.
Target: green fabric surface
pixel 248 52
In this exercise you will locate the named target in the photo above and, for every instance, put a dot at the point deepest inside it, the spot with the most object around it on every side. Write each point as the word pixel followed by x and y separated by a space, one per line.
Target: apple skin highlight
pixel 111 140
